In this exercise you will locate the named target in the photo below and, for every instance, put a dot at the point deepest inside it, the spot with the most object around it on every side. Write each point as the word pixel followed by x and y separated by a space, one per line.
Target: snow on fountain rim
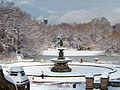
pixel 30 64
pixel 65 60
pixel 111 69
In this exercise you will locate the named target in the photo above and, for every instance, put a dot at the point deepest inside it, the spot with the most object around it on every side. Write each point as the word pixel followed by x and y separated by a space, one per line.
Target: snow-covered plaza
pixel 60 80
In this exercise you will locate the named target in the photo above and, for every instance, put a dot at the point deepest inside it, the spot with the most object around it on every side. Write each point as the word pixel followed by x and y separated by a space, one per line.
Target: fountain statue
pixel 61 41
pixel 61 63
pixel 61 53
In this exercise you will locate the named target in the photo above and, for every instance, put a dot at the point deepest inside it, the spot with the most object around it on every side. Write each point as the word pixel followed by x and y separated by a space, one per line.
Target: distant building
pixel 46 21
pixel 41 20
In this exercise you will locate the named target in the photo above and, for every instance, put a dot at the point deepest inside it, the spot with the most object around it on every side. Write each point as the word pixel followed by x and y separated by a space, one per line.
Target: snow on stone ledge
pixel 90 75
pixel 104 75
pixel 16 69
pixel 9 79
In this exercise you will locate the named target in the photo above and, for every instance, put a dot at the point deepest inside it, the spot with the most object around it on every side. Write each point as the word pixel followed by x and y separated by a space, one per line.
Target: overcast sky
pixel 58 11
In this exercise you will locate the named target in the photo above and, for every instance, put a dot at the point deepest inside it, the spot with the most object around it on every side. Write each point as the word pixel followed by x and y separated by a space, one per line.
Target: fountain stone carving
pixel 61 63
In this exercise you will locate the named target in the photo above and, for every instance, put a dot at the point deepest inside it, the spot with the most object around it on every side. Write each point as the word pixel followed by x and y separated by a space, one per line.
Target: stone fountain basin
pixel 77 70
pixel 65 60
pixel 61 61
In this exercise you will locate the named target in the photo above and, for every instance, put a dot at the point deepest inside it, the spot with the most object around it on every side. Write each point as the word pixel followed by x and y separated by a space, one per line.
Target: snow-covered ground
pixel 76 70
pixel 56 79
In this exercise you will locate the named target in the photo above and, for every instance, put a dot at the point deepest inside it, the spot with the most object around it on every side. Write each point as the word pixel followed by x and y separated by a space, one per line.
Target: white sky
pixel 57 11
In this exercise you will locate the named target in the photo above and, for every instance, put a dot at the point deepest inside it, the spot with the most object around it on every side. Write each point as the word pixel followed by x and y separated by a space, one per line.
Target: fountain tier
pixel 61 63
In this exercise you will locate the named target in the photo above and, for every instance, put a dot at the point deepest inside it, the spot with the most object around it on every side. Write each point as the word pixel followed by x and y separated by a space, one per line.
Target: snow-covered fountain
pixel 61 63
pixel 76 73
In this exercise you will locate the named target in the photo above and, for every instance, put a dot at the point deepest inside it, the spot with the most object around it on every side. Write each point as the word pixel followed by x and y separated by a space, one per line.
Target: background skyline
pixel 69 11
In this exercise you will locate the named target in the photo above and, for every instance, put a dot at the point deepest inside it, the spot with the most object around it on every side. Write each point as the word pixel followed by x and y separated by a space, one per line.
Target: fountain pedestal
pixel 61 63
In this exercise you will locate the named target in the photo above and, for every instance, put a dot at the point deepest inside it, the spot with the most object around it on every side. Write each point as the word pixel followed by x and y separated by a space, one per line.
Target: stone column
pixel 89 82
pixel 104 81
